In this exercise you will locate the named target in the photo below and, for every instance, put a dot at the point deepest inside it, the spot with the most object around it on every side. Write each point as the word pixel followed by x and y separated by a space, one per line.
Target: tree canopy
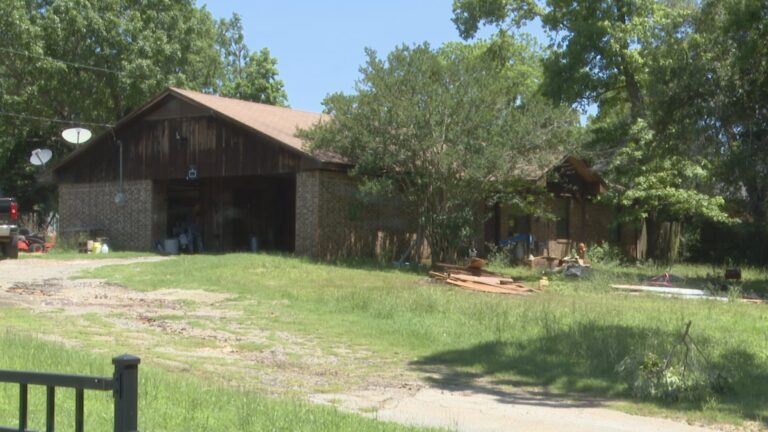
pixel 92 62
pixel 628 58
pixel 445 130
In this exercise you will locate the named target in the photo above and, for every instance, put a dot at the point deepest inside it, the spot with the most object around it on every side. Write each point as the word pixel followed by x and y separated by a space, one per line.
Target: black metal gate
pixel 124 385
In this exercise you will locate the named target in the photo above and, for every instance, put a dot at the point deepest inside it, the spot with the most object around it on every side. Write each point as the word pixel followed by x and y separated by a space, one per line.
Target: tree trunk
pixel 630 80
pixel 663 239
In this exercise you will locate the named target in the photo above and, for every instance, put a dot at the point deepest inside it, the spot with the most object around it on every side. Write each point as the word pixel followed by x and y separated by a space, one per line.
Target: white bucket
pixel 171 246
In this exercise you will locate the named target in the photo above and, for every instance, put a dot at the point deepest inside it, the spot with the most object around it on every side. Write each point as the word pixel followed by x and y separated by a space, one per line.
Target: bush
pixel 605 254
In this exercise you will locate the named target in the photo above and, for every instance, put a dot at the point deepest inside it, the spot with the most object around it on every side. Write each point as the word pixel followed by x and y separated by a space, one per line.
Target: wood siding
pixel 157 147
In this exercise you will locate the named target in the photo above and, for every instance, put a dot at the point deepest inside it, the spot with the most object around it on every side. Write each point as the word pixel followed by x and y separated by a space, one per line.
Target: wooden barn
pixel 229 174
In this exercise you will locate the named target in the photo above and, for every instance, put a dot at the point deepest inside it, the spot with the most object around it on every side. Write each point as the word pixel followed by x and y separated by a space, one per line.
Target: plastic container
pixel 254 244
pixel 96 247
pixel 171 246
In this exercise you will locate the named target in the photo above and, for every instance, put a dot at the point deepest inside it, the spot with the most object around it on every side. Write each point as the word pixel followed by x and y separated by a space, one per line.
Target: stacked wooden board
pixel 477 279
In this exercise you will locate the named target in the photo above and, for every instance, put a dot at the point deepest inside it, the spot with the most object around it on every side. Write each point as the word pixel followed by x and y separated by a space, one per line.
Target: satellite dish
pixel 40 157
pixel 76 135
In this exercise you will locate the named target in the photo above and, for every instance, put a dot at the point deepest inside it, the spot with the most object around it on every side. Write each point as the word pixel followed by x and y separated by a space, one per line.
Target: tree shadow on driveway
pixel 580 364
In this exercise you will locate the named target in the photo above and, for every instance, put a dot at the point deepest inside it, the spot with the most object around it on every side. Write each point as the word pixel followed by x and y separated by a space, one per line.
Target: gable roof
pixel 279 123
pixel 538 172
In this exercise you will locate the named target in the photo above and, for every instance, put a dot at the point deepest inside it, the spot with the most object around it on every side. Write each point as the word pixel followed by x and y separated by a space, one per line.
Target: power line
pixel 53 120
pixel 80 65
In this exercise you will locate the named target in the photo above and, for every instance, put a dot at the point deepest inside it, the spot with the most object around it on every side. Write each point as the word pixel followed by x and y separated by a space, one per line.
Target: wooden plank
pixel 487 288
pixel 465 270
pixel 482 287
pixel 438 275
pixel 490 280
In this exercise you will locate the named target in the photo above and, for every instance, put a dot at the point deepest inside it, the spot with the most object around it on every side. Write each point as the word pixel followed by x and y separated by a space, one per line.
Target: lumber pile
pixel 474 278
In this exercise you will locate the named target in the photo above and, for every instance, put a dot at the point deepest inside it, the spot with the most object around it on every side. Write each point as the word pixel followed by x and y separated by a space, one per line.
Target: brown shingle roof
pixel 279 123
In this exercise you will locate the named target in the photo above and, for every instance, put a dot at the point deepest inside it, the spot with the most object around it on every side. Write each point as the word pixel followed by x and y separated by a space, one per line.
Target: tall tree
pixel 93 61
pixel 444 130
pixel 89 61
pixel 729 73
pixel 618 55
pixel 247 75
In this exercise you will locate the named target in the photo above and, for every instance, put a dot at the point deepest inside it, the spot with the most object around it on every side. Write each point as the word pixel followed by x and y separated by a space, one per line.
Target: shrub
pixel 605 253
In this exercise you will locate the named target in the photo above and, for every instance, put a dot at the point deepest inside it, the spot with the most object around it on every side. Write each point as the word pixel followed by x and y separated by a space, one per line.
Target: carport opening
pixel 233 214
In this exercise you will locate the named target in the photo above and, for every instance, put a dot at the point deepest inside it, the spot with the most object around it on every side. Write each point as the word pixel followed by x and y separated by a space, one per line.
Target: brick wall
pixel 307 203
pixel 331 222
pixel 92 206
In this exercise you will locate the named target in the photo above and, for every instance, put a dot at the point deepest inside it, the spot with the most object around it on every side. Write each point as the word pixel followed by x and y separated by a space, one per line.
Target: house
pixel 230 172
pixel 234 175
pixel 578 218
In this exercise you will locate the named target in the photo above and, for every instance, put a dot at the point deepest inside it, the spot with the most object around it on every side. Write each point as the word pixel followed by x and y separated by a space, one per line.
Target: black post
pixel 23 407
pixel 126 393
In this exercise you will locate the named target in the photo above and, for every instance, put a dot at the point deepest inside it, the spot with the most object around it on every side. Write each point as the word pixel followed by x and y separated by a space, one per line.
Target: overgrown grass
pixel 569 339
pixel 167 401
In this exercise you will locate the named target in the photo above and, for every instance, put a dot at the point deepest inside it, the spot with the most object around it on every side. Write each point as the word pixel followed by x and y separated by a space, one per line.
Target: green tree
pixel 247 75
pixel 444 131
pixel 93 61
pixel 729 76
pixel 622 56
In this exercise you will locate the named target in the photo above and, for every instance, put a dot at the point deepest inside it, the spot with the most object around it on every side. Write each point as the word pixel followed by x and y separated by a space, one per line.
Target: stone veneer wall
pixel 91 207
pixel 332 223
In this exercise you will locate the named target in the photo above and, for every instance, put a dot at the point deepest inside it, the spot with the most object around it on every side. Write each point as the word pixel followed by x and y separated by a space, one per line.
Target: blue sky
pixel 319 44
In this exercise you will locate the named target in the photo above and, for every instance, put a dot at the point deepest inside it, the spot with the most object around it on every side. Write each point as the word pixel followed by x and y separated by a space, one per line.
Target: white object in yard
pixel 104 248
pixel 670 291
pixel 171 246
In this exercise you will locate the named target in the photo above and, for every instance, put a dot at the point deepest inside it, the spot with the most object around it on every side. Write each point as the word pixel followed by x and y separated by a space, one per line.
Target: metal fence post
pixel 126 380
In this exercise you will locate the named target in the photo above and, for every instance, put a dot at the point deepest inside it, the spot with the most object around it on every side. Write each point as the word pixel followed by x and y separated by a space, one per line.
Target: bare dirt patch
pixel 204 331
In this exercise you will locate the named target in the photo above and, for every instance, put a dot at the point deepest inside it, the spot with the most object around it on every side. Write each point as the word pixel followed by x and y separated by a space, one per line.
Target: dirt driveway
pixel 164 322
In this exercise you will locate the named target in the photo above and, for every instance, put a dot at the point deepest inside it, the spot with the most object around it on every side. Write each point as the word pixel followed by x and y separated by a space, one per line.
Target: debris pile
pixel 474 278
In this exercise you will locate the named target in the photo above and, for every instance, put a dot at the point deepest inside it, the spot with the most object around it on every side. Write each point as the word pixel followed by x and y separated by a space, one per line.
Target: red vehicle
pixel 28 242
pixel 9 228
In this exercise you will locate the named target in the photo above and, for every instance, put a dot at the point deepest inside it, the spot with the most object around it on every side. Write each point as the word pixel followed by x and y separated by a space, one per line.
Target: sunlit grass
pixel 168 401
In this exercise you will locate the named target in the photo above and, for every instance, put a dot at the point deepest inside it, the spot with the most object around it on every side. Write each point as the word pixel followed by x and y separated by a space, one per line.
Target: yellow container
pixel 96 247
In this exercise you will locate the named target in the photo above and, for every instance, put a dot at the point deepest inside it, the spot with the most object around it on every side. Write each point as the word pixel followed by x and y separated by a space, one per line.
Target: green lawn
pixel 568 339
pixel 167 401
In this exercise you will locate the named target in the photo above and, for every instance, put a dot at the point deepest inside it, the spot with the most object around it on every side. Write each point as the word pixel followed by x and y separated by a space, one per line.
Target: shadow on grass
pixel 579 363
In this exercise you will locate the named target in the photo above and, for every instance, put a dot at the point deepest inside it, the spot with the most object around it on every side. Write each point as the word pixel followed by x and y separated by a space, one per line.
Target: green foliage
pixel 168 401
pixel 94 61
pixel 246 75
pixel 605 253
pixel 684 374
pixel 445 130
pixel 628 58
pixel 499 256
pixel 659 183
